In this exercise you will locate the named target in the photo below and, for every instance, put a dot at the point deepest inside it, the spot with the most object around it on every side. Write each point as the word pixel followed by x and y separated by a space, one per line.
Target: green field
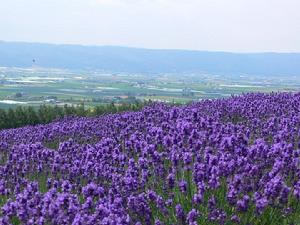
pixel 36 86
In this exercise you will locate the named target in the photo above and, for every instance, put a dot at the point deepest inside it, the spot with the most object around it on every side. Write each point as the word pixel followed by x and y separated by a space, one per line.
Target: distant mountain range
pixel 125 59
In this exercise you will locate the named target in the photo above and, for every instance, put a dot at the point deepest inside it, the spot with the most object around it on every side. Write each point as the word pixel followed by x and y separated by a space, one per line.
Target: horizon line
pixel 146 48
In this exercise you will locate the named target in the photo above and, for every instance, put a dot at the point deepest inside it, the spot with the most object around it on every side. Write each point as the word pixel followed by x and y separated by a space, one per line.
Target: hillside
pixel 224 161
pixel 123 59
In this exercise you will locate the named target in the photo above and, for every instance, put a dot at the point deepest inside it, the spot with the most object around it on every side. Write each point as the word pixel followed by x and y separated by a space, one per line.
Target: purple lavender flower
pixel 242 204
pixel 235 219
pixel 192 216
pixel 179 212
pixel 123 168
pixel 171 180
pixel 183 186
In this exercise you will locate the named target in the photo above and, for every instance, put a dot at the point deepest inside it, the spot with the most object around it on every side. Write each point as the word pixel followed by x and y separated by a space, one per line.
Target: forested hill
pixel 123 59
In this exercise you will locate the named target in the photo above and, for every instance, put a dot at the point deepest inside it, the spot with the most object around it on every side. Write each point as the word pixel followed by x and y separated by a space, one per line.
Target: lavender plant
pixel 225 161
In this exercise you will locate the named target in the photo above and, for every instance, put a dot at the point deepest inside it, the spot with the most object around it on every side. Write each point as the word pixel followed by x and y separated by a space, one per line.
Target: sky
pixel 212 25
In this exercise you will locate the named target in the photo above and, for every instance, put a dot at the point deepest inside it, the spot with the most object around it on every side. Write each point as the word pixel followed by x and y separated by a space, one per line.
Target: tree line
pixel 28 115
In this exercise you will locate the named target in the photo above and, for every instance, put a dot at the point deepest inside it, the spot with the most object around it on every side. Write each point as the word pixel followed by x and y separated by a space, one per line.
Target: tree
pixel 80 111
pixel 32 116
pixel 11 118
pixel 21 117
pixel 3 119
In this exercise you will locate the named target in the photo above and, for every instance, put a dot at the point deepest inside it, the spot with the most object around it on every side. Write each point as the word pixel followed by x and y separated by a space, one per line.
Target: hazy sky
pixel 216 25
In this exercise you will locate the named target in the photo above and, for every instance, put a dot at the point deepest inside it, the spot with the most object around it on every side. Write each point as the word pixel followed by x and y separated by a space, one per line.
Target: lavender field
pixel 223 161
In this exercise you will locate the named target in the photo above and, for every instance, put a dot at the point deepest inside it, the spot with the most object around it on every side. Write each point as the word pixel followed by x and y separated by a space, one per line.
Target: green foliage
pixel 22 116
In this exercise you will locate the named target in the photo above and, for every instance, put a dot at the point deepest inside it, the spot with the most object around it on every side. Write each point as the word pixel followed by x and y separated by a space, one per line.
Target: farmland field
pixel 36 86
pixel 223 161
